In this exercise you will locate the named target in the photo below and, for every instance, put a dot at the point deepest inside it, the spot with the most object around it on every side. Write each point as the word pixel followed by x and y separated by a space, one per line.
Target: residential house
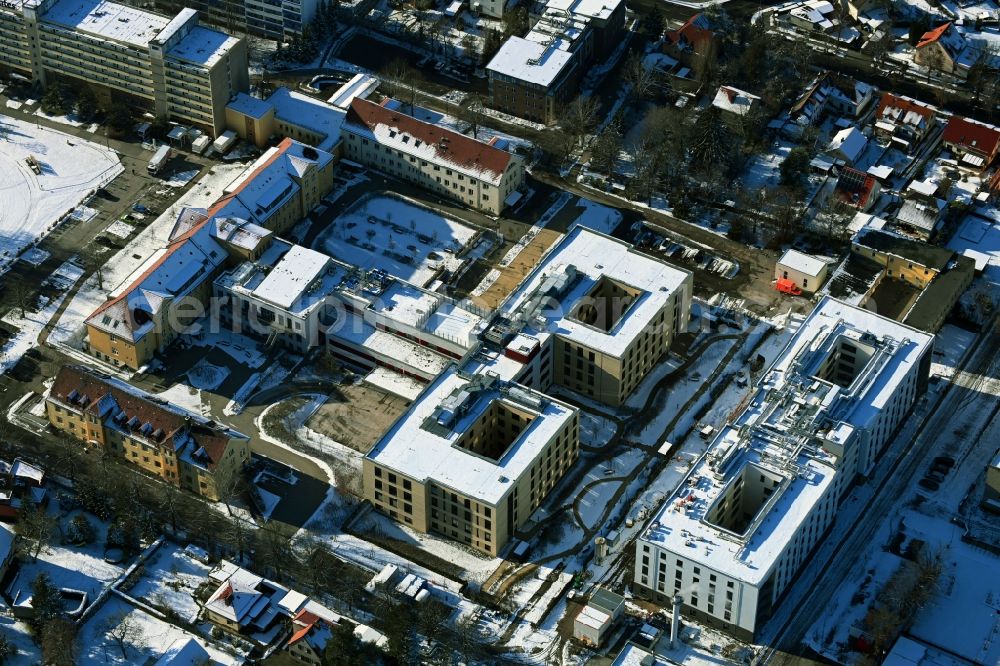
pixel 21 484
pixel 847 145
pixel 832 94
pixel 921 219
pixel 805 271
pixel 693 43
pixel 903 121
pixel 480 174
pixel 857 188
pixel 183 449
pixel 736 105
pixel 974 144
pixel 310 635
pixel 940 48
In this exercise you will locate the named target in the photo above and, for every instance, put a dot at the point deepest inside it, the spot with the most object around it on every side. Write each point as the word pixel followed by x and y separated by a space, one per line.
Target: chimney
pixel 675 622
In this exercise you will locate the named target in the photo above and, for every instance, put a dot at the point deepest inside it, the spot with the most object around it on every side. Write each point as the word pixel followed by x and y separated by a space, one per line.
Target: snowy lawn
pixel 404 239
pixel 79 568
pixel 595 430
pixel 169 580
pixel 30 204
pixel 34 321
pixel 144 644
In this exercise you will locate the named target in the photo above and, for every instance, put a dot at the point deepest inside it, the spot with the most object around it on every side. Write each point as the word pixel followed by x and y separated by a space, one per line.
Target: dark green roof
pixel 918 252
pixel 940 296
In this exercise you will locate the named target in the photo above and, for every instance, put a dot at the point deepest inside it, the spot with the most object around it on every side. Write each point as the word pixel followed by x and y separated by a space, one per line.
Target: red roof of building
pixel 972 135
pixel 890 101
pixel 934 35
pixel 89 390
pixel 447 145
pixel 855 187
pixel 695 34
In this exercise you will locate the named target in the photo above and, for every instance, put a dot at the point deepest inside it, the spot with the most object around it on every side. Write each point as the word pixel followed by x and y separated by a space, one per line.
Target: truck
pixel 160 158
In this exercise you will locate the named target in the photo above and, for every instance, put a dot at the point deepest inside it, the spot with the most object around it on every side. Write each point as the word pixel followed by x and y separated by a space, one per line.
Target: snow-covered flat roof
pixel 423 310
pixel 292 276
pixel 594 256
pixel 784 430
pixel 107 19
pixel 361 85
pixel 530 61
pixel 601 9
pixel 249 105
pixel 431 455
pixel 352 328
pixel 203 46
pixel 801 262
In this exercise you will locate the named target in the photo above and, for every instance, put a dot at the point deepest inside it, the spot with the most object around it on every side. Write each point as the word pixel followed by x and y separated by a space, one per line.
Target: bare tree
pixel 36 526
pixel 123 629
pixel 579 117
pixel 471 113
pixel 24 297
pixel 643 79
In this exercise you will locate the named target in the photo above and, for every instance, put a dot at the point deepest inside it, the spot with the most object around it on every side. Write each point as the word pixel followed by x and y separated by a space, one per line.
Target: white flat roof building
pixel 423 443
pixel 736 530
pixel 546 302
pixel 531 61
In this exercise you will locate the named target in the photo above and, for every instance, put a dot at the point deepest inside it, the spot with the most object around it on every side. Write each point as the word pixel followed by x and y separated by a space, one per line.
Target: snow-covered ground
pixel 65 277
pixel 407 240
pixel 149 639
pixel 30 204
pixel 169 580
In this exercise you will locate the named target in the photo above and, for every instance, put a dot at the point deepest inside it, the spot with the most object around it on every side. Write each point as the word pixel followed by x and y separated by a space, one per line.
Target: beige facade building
pixel 594 317
pixel 472 458
pixel 805 271
pixel 171 67
pixel 183 449
pixel 480 175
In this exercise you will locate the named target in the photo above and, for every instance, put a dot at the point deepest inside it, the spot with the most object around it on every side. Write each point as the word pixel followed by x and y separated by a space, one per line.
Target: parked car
pixel 936 477
pixel 945 460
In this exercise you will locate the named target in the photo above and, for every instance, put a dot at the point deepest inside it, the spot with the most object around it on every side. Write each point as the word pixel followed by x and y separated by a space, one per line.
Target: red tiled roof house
pixel 183 449
pixel 974 144
pixel 480 174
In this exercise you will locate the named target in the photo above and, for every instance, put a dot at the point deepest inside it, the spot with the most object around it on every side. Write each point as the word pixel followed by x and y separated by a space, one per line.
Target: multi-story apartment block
pixel 183 449
pixel 479 174
pixel 146 313
pixel 734 534
pixel 534 76
pixel 594 317
pixel 274 19
pixel 172 67
pixel 472 458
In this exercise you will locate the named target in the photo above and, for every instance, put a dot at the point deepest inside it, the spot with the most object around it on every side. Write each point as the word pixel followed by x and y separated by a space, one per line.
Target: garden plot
pixel 169 581
pixel 69 169
pixel 31 325
pixel 402 238
pixel 73 567
pixel 147 640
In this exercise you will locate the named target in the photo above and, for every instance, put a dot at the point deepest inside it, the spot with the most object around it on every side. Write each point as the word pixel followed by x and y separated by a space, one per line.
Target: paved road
pixel 972 400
